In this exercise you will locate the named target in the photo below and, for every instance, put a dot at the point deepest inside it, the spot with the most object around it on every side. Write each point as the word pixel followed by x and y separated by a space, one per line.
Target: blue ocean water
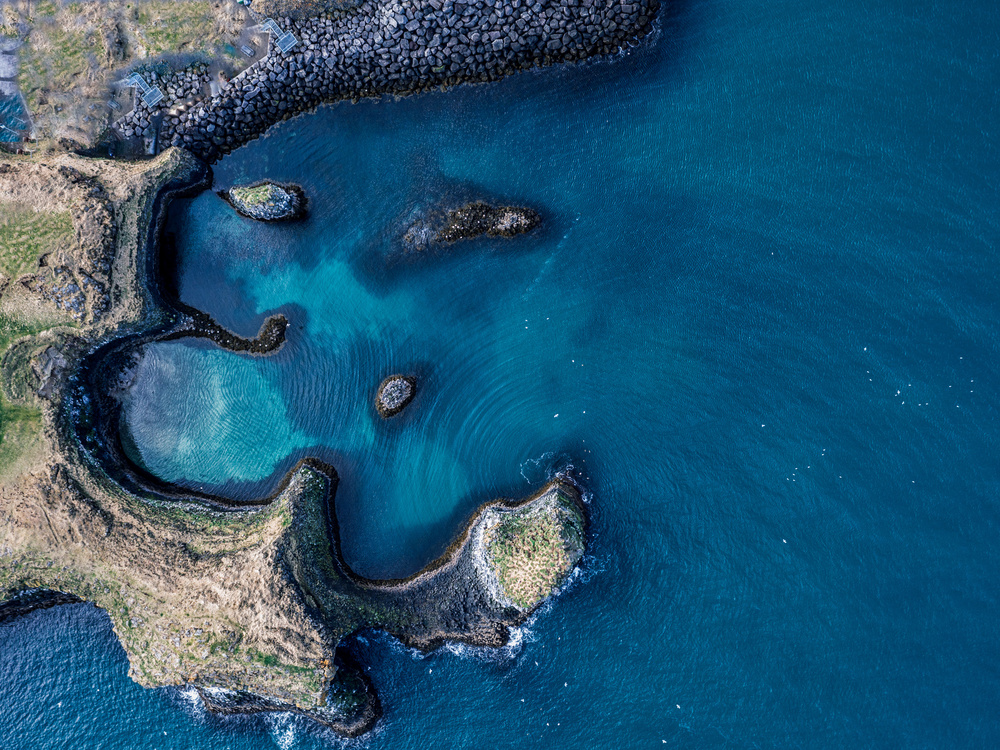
pixel 13 119
pixel 760 321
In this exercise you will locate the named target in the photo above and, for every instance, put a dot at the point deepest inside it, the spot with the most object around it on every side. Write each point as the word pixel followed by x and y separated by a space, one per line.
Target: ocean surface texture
pixel 760 321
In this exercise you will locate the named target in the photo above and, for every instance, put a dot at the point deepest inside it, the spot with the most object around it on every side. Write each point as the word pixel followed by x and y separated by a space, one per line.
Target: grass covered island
pixel 267 201
pixel 532 548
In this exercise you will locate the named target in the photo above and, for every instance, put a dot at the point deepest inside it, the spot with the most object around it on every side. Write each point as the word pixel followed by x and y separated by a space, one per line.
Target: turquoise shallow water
pixel 763 306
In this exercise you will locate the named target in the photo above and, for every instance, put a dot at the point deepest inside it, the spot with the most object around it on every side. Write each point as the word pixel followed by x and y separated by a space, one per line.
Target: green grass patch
pixel 20 425
pixel 43 9
pixel 26 235
pixel 254 196
pixel 54 59
pixel 20 428
pixel 176 25
pixel 530 556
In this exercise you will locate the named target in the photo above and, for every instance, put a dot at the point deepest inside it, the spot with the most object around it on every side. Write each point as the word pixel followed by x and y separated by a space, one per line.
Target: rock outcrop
pixel 394 394
pixel 476 219
pixel 267 201
pixel 467 222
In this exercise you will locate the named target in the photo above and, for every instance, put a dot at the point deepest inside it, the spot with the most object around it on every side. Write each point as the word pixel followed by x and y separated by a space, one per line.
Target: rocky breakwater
pixel 395 48
pixel 267 201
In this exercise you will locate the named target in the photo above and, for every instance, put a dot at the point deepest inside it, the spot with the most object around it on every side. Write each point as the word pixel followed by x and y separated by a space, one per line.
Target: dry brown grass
pixel 73 52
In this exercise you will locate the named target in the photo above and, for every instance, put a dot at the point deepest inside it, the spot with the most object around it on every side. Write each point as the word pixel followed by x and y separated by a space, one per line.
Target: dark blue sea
pixel 761 321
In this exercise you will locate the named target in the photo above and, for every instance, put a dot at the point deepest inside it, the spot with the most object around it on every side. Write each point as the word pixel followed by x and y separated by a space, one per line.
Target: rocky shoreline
pixel 250 603
pixel 389 47
pixel 94 527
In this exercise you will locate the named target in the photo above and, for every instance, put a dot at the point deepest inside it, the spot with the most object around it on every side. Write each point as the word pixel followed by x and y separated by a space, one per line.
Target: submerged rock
pixel 470 221
pixel 267 201
pixel 394 393
pixel 478 218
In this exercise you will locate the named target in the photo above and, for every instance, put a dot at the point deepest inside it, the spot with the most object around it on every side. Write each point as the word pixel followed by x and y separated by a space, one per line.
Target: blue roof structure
pixel 286 41
pixel 136 81
pixel 283 40
pixel 152 97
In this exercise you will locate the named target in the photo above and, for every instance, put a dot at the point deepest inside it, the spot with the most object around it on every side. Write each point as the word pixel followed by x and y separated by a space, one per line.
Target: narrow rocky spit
pixel 391 48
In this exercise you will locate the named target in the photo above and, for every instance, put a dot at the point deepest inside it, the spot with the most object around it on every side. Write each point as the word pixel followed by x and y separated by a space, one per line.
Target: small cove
pixel 767 274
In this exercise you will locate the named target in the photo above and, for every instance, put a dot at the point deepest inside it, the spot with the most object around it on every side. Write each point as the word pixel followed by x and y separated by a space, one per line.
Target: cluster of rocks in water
pixel 267 201
pixel 394 394
pixel 392 48
pixel 467 222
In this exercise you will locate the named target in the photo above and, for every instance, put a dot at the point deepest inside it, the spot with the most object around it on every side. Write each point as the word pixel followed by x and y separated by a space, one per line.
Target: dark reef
pixel 475 219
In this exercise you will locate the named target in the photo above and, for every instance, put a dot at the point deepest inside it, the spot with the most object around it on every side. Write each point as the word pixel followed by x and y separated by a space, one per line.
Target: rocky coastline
pixel 388 47
pixel 94 527
pixel 251 603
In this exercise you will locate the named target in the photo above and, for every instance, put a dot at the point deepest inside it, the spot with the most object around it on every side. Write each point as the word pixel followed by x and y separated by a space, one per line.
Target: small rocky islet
pixel 394 394
pixel 469 221
pixel 267 201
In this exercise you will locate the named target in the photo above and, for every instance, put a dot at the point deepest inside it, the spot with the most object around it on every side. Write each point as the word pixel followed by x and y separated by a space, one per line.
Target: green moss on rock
pixel 533 548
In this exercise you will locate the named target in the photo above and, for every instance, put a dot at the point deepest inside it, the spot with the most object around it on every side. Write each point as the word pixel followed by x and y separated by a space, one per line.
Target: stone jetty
pixel 392 48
